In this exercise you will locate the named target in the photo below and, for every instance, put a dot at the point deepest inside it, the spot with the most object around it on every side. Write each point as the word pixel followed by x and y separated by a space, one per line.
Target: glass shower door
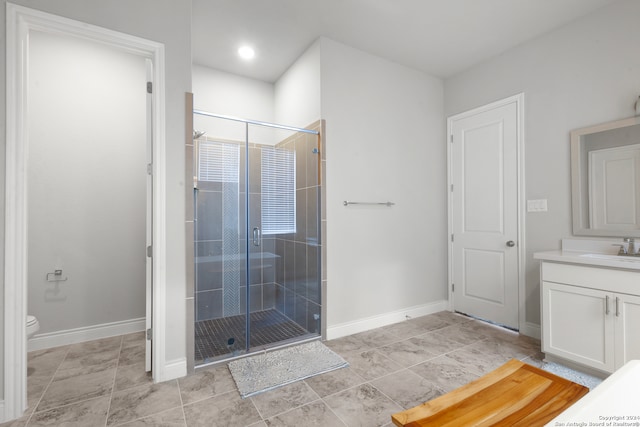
pixel 284 275
pixel 220 240
pixel 257 237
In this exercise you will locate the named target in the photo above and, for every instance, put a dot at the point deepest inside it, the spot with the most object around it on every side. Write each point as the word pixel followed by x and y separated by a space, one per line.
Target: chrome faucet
pixel 631 249
pixel 622 250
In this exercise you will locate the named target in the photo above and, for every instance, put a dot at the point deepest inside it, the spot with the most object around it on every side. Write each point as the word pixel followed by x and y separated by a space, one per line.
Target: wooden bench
pixel 515 394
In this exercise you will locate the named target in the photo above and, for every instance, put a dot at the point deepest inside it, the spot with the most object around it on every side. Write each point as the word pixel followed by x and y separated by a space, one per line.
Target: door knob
pixel 511 243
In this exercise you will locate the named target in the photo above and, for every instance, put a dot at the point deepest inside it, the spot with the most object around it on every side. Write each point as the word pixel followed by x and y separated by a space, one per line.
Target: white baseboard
pixel 88 333
pixel 173 369
pixel 368 323
pixel 531 330
pixel 2 411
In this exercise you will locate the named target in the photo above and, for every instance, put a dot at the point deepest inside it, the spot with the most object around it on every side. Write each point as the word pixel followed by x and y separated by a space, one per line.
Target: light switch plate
pixel 537 205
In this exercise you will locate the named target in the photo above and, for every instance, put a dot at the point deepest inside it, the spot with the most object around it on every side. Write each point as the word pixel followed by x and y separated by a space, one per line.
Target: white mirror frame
pixel 579 226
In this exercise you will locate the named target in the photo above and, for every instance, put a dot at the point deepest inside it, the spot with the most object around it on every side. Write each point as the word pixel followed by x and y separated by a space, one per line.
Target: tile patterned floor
pixel 102 383
pixel 268 326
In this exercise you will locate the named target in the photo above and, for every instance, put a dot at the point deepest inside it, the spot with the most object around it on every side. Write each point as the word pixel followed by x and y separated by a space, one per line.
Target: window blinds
pixel 218 162
pixel 278 191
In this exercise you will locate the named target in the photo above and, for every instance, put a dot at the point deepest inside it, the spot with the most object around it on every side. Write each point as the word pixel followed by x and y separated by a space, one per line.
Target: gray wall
pixel 585 73
pixel 167 22
pixel 385 133
pixel 83 218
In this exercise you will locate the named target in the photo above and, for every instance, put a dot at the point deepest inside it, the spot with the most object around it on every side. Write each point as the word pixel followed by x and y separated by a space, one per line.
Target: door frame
pixel 20 21
pixel 518 99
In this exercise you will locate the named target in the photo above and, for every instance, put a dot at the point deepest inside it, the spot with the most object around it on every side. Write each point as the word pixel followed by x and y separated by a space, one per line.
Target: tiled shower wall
pixel 298 282
pixel 220 228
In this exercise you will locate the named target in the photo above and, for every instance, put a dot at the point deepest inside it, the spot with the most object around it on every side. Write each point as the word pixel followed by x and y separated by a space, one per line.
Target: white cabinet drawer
pixel 613 280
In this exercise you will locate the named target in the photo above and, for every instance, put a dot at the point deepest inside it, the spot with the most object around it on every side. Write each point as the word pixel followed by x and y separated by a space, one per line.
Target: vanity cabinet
pixel 627 331
pixel 590 315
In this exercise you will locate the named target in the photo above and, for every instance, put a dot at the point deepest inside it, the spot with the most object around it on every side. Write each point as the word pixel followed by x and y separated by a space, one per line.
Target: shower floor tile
pixel 267 327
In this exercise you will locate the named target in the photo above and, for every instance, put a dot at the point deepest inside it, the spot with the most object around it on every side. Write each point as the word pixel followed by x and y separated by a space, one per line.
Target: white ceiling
pixel 439 37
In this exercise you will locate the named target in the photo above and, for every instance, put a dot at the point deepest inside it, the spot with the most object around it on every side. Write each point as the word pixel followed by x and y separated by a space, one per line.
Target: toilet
pixel 33 326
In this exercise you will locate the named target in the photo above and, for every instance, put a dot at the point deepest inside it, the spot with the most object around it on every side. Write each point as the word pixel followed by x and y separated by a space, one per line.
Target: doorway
pixel 23 23
pixel 86 187
pixel 486 193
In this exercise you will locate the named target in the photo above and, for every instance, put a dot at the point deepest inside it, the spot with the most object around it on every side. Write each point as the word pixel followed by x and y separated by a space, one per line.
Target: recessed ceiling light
pixel 246 52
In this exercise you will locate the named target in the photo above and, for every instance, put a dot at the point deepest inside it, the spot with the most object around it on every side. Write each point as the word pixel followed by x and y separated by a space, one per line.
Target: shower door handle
pixel 256 236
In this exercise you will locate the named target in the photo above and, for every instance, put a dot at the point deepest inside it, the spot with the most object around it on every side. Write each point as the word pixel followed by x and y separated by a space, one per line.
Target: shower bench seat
pixel 515 394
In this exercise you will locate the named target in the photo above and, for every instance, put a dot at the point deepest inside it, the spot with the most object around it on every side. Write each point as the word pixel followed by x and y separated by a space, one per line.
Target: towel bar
pixel 347 203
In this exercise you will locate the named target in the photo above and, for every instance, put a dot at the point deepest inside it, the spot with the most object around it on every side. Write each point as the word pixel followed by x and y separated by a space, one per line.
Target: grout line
pixel 66 405
pixel 317 398
pixel 184 415
pixel 346 389
pixel 402 408
pixel 143 417
pixel 47 387
pixel 262 418
pixel 113 385
pixel 334 412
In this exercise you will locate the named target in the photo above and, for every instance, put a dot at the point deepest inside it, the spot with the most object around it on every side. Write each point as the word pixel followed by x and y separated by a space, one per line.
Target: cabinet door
pixel 627 314
pixel 578 325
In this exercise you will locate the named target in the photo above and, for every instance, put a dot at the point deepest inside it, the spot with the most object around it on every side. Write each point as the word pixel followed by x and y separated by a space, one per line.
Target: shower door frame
pixel 247 227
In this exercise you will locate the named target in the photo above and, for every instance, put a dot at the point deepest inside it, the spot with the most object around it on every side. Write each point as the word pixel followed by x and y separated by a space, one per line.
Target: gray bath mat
pixel 582 378
pixel 266 371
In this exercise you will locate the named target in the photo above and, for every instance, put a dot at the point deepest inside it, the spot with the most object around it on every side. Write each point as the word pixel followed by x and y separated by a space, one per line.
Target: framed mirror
pixel 605 179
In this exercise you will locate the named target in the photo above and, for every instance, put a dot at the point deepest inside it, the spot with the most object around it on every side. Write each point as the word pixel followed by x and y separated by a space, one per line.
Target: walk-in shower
pixel 257 247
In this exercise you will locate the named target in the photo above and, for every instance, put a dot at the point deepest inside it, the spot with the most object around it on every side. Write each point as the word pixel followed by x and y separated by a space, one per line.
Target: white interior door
pixel 149 223
pixel 484 213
